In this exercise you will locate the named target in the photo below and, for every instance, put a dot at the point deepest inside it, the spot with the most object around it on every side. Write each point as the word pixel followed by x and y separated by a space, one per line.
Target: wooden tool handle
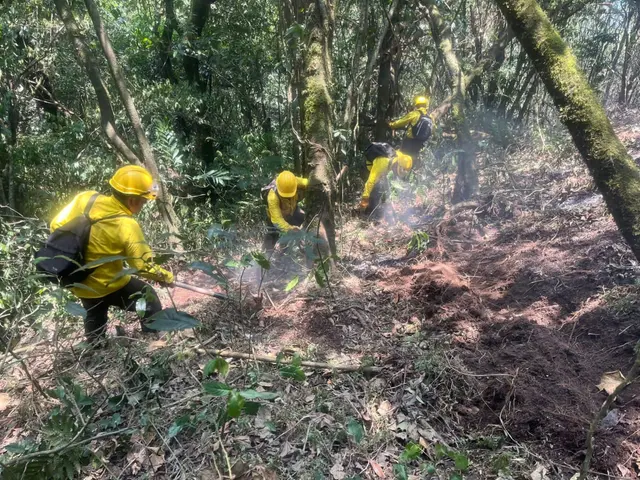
pixel 203 291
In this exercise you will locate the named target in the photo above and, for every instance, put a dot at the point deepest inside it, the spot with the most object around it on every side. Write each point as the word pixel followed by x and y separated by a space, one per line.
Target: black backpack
pixel 378 149
pixel 423 128
pixel 61 258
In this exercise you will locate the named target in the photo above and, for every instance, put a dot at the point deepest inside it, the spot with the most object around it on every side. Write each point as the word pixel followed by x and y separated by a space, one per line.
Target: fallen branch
pixel 47 453
pixel 304 363
pixel 631 376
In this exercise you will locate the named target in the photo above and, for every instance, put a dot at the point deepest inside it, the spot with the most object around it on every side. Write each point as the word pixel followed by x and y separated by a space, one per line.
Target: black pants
pixel 378 197
pixel 412 147
pixel 95 325
pixel 273 233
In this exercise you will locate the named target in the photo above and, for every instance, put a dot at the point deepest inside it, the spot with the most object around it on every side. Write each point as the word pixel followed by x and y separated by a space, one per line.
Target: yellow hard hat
pixel 135 181
pixel 287 184
pixel 421 101
pixel 404 161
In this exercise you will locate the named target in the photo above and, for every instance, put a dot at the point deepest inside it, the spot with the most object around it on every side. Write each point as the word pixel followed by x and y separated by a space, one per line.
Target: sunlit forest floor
pixel 493 341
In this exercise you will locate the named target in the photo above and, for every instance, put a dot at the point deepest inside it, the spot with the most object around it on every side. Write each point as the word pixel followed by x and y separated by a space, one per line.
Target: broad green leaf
pixel 177 426
pixel 75 309
pixel 217 389
pixel 411 452
pixel 356 430
pixel 123 273
pixel 81 286
pixel 252 395
pixel 141 307
pixel 296 361
pixel 170 319
pixel 461 461
pixel 251 408
pixel 235 404
pixel 320 277
pixel 292 284
pixel 455 476
pixel 291 371
pixel 400 472
pixel 232 264
pixel 261 260
pixel 102 261
pixel 162 258
pixel 218 364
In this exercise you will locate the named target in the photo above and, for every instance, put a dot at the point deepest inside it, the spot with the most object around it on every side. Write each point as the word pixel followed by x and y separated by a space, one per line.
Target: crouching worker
pixel 283 212
pixel 114 232
pixel 382 158
pixel 418 127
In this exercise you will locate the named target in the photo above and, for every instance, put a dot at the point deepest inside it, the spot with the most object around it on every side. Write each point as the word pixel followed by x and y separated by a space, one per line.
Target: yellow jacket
pixel 120 236
pixel 410 119
pixel 278 208
pixel 378 169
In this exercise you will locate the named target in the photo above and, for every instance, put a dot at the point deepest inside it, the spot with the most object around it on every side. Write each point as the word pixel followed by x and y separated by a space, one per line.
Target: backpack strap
pixel 89 206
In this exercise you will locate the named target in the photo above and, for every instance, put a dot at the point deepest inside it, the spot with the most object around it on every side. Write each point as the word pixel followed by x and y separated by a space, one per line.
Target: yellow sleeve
pixel 275 213
pixel 140 254
pixel 379 168
pixel 408 119
pixel 302 182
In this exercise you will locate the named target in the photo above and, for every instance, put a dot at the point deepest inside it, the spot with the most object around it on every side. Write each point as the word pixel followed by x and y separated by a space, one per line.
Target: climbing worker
pixel 115 233
pixel 382 158
pixel 283 212
pixel 419 126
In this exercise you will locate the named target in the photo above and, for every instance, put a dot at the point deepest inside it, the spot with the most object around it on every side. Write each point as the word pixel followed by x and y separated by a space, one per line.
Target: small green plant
pixel 419 242
pixel 294 370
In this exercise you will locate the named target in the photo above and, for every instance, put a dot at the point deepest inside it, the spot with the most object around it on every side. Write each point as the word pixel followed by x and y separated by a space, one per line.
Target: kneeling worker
pixel 283 212
pixel 114 232
pixel 380 160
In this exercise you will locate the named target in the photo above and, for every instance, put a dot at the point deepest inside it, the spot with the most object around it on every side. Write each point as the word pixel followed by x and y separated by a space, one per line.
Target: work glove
pixel 167 277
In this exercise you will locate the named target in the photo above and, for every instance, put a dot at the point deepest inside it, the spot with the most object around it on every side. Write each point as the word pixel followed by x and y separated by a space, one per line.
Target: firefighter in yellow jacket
pixel 283 212
pixel 118 235
pixel 376 187
pixel 418 125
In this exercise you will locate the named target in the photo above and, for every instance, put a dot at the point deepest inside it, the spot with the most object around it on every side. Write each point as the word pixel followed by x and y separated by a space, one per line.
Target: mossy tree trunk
pixel 467 177
pixel 614 171
pixel 317 120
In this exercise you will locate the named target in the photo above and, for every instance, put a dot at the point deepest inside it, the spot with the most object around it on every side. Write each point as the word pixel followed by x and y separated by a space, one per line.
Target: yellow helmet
pixel 421 101
pixel 403 164
pixel 287 184
pixel 404 161
pixel 135 181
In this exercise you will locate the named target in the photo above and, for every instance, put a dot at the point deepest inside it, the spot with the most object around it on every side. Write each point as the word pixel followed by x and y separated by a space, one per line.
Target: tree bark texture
pixel 614 171
pixel 166 42
pixel 163 200
pixel 387 75
pixel 200 10
pixel 466 183
pixel 85 59
pixel 318 126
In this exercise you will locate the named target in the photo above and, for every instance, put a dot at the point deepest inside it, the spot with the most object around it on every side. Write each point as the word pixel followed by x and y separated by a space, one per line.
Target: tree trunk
pixel 630 39
pixel 613 169
pixel 523 88
pixel 466 183
pixel 318 126
pixel 163 201
pixel 511 86
pixel 200 10
pixel 85 59
pixel 386 77
pixel 166 42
